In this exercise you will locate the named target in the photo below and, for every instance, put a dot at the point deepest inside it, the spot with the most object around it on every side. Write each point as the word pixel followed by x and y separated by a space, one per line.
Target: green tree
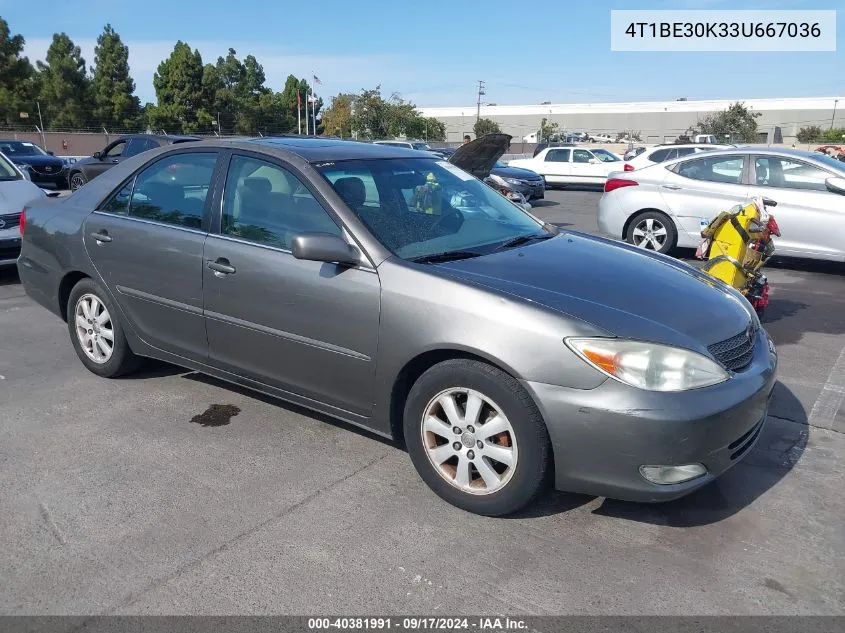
pixel 483 127
pixel 17 77
pixel 809 134
pixel 64 90
pixel 337 118
pixel 178 82
pixel 435 129
pixel 115 104
pixel 834 135
pixel 548 130
pixel 371 115
pixel 736 123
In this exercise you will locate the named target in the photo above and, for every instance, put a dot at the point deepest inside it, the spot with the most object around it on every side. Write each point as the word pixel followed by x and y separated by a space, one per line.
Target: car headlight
pixel 648 365
pixel 513 181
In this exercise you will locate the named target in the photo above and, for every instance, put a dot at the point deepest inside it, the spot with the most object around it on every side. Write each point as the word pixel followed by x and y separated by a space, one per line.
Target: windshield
pixel 7 170
pixel 605 156
pixel 20 148
pixel 420 146
pixel 421 207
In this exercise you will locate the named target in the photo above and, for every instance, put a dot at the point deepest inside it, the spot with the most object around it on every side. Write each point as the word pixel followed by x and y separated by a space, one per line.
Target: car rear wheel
pixel 77 179
pixel 653 231
pixel 476 437
pixel 96 333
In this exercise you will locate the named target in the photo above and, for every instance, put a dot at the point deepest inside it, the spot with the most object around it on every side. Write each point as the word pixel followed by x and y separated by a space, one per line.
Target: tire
pixel 524 441
pixel 86 300
pixel 664 235
pixel 76 180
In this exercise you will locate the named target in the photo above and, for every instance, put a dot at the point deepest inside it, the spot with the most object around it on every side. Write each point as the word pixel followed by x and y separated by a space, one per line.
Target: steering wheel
pixel 451 220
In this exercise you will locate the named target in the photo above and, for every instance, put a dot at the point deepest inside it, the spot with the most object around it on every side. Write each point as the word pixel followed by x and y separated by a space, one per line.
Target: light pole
pixel 833 116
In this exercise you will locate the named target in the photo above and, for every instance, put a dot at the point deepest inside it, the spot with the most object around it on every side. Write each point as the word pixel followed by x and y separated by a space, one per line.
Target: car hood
pixel 14 194
pixel 479 156
pixel 622 290
pixel 516 172
pixel 38 161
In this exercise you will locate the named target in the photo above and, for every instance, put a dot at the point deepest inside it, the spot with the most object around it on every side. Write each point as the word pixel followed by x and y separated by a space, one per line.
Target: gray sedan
pixel 665 205
pixel 343 277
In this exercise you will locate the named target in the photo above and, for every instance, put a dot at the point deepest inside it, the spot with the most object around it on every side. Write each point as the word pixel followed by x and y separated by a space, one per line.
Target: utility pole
pixel 41 123
pixel 835 101
pixel 480 94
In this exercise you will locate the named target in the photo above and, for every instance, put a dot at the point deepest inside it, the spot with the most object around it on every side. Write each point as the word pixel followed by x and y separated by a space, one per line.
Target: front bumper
pixel 531 191
pixel 57 177
pixel 602 436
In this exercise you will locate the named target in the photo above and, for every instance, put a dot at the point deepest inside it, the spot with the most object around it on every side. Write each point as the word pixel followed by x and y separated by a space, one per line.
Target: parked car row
pixel 663 206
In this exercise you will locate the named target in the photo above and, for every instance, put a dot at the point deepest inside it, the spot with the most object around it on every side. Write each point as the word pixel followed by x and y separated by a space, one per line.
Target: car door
pixel 306 327
pixel 811 218
pixel 110 156
pixel 554 164
pixel 698 189
pixel 146 242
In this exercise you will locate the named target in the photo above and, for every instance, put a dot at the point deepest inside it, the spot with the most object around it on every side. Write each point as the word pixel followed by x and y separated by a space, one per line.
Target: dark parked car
pixel 42 166
pixel 112 154
pixel 397 292
pixel 529 183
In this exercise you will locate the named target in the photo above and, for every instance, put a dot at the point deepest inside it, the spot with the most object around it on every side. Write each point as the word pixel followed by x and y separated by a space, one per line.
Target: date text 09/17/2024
pixel 488 624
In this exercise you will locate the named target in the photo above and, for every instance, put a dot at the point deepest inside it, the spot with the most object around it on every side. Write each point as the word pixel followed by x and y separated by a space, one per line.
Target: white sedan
pixel 569 165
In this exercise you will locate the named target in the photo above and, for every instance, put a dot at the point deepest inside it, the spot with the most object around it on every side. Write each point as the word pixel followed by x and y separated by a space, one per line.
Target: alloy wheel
pixel 469 441
pixel 76 181
pixel 94 328
pixel 650 234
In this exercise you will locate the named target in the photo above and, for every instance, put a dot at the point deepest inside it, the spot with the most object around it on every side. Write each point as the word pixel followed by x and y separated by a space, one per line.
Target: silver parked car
pixel 399 293
pixel 15 191
pixel 665 205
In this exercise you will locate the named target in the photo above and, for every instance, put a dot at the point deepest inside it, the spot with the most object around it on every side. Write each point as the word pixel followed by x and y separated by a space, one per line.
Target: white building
pixel 655 122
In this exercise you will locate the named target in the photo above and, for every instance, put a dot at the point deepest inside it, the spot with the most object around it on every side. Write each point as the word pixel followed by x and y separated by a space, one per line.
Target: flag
pixel 312 98
pixel 317 80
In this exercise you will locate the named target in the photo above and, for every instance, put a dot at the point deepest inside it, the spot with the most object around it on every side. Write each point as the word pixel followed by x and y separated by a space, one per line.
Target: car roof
pixel 315 149
pixel 683 145
pixel 171 138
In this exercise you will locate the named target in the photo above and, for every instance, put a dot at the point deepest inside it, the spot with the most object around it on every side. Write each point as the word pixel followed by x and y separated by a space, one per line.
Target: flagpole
pixel 298 111
pixel 314 110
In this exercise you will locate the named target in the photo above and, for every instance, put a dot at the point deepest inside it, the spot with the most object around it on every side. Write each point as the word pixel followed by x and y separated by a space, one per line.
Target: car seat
pixel 351 189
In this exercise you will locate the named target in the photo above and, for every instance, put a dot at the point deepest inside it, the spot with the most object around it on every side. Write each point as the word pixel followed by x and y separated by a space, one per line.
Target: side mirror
pixel 98 155
pixel 51 153
pixel 324 247
pixel 835 185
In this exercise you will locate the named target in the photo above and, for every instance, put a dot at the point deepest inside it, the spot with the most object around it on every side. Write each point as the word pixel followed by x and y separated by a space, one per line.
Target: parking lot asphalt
pixel 122 497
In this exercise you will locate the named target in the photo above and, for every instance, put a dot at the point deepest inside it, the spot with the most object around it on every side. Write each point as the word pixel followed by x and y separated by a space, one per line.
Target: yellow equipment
pixel 736 244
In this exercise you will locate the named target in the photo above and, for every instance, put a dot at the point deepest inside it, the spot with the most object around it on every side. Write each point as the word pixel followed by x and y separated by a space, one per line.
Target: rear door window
pixel 659 156
pixel 557 156
pixel 724 169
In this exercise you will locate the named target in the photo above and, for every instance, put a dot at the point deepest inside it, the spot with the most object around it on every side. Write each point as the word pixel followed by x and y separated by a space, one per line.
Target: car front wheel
pixel 653 231
pixel 476 437
pixel 77 179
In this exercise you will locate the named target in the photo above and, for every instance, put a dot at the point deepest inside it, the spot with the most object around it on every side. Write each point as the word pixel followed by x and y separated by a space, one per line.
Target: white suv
pixel 662 153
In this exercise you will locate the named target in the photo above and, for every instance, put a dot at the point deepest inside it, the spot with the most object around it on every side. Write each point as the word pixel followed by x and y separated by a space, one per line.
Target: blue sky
pixel 434 52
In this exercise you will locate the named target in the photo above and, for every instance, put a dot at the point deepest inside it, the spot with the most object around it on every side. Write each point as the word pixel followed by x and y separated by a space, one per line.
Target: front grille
pixel 9 252
pixel 736 352
pixel 9 221
pixel 48 170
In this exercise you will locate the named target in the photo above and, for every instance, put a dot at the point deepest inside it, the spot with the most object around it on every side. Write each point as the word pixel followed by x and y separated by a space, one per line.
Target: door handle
pixel 221 266
pixel 101 236
pixel 672 187
pixel 115 160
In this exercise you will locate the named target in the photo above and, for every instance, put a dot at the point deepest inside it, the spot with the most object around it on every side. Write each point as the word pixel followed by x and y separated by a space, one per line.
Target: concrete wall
pixel 653 127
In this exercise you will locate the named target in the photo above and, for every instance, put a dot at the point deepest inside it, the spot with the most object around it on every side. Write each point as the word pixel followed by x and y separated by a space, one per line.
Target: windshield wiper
pixel 446 256
pixel 523 239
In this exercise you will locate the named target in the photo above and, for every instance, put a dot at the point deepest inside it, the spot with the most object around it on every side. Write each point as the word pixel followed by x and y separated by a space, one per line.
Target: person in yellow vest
pixel 428 198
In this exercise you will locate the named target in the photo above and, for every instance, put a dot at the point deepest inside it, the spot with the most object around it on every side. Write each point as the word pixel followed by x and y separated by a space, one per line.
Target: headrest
pixel 258 186
pixel 352 190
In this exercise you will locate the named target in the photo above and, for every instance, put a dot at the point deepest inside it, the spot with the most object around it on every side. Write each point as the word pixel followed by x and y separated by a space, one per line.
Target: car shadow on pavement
pixel 778 449
pixel 539 204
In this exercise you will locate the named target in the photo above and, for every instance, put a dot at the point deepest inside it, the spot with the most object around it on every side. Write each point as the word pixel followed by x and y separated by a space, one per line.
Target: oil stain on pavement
pixel 216 415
